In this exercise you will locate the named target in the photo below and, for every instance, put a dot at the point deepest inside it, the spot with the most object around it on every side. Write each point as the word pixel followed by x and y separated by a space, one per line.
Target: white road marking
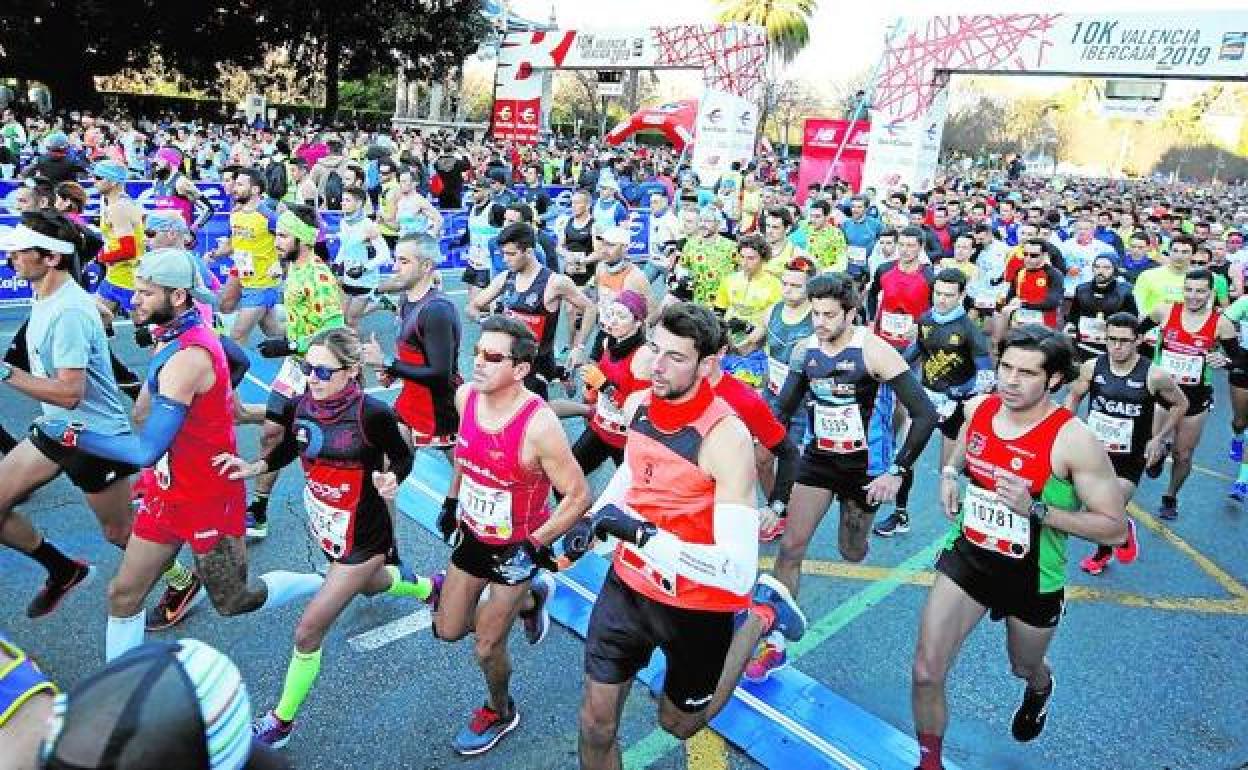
pixel 389 633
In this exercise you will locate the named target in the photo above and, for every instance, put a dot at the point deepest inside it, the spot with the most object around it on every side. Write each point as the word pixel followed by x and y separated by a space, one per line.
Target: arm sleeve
pixel 144 450
pixel 381 428
pixel 286 449
pixel 126 249
pixel 437 327
pixel 237 359
pixel 203 212
pixel 791 394
pixel 922 416
pixel 786 470
pixel 730 562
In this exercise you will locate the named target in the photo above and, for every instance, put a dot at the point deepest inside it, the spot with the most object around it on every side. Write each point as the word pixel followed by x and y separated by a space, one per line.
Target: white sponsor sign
pixel 1132 109
pixel 724 132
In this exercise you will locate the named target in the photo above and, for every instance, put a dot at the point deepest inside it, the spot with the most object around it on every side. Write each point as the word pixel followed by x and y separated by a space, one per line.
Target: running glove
pixel 277 347
pixel 611 521
pixel 542 555
pixel 448 519
pixel 143 336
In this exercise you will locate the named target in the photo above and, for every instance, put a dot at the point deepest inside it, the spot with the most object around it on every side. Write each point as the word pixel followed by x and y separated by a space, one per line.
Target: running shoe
pixel 1032 713
pixel 1130 550
pixel 768 659
pixel 790 620
pixel 53 593
pixel 1168 511
pixel 486 728
pixel 1237 449
pixel 257 524
pixel 537 620
pixel 435 596
pixel 1239 491
pixel 774 532
pixel 175 604
pixel 1156 468
pixel 897 523
pixel 272 730
pixel 1096 562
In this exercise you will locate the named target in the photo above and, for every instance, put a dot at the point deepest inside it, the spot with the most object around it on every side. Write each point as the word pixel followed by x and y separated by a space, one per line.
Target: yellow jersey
pixel 748 298
pixel 250 235
pixel 121 274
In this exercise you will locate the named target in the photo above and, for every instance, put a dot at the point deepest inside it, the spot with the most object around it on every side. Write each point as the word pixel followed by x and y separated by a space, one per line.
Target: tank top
pixel 480 233
pixel 122 273
pixel 1120 411
pixel 165 196
pixel 208 430
pixel 500 500
pixel 428 408
pixel 670 490
pixel 842 401
pixel 251 240
pixel 993 540
pixel 579 239
pixel 611 284
pixel 781 339
pixel 1182 353
pixel 904 298
pixel 529 307
pixel 410 218
pixel 608 420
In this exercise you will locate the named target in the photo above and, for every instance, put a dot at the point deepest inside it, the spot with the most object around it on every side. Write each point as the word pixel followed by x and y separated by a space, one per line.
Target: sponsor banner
pixel 138 189
pixel 1132 109
pixel 821 138
pixel 639 233
pixel 724 132
pixel 517 120
pixel 1202 44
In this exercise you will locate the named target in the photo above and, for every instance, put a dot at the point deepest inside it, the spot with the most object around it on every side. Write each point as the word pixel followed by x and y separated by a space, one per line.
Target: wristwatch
pixel 6 371
pixel 778 507
pixel 899 471
pixel 1039 510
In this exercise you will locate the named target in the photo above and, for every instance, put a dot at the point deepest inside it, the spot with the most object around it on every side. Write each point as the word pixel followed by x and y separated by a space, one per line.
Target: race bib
pixel 486 511
pixel 942 403
pixel 857 255
pixel 327 523
pixel 1028 315
pixel 989 524
pixel 777 373
pixel 1092 330
pixel 1114 432
pixel 661 576
pixel 1185 367
pixel 244 263
pixel 164 479
pixel 290 381
pixel 610 417
pixel 839 428
pixel 896 324
pixel 478 257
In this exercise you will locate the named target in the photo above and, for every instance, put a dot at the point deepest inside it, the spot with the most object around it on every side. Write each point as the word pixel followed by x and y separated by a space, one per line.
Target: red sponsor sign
pixel 518 120
pixel 821 137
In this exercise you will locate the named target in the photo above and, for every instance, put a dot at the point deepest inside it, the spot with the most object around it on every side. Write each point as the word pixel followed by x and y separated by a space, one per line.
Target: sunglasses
pixel 491 356
pixel 1120 340
pixel 322 373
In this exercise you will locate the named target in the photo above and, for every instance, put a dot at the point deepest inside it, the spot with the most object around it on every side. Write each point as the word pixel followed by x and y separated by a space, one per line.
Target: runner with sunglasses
pixel 511 452
pixel 354 458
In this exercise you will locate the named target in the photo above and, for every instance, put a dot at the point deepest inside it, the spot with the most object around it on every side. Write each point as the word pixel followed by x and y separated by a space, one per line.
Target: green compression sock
pixel 417 589
pixel 1243 473
pixel 300 676
pixel 178 577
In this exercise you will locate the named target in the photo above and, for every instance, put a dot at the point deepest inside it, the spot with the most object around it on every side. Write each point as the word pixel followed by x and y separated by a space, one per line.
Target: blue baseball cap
pixel 110 170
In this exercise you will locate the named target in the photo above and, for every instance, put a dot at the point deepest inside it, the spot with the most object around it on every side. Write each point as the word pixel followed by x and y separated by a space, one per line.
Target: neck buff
pixel 336 405
pixel 619 349
pixel 957 312
pixel 670 417
pixel 175 327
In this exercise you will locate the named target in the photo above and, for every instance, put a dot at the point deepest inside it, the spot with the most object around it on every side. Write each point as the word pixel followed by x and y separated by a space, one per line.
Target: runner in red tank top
pixel 682 507
pixel 1191 332
pixel 190 419
pixel 511 451
pixel 1037 475
pixel 901 292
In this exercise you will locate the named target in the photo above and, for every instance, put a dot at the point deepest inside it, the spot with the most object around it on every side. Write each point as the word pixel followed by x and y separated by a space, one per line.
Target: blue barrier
pixel 789 721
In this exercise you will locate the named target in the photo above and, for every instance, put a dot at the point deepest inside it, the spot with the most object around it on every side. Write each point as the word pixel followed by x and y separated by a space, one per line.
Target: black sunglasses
pixel 322 373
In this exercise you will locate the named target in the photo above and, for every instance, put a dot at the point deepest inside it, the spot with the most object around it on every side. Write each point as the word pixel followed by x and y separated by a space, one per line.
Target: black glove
pixel 276 347
pixel 611 521
pixel 354 273
pixel 680 284
pixel 448 519
pixel 143 336
pixel 740 326
pixel 579 540
pixel 542 555
pixel 337 269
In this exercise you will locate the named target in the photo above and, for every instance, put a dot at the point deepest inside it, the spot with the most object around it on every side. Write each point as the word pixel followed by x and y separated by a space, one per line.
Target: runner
pixel 485 220
pixel 824 240
pixel 1237 386
pixel 1189 332
pixel 344 440
pixel 707 256
pixel 899 292
pixel 576 243
pixel 954 364
pixel 1164 285
pixel 312 302
pixel 615 273
pixel 1095 301
pixel 537 304
pixel 252 247
pixel 121 222
pixel 510 453
pixel 1037 476
pixel 189 421
pixel 362 250
pixel 427 343
pixel 71 377
pixel 1125 388
pixel 682 506
pixel 1035 295
pixel 846 457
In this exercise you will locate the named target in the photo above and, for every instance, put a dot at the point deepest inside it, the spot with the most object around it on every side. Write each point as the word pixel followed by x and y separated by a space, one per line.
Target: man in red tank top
pixel 510 452
pixel 1037 475
pixel 682 507
pixel 1190 333
pixel 189 422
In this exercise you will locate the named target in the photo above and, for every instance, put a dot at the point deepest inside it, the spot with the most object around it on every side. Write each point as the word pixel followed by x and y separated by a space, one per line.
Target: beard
pixel 161 315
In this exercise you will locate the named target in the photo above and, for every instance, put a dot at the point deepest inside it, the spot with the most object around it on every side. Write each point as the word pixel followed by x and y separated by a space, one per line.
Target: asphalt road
pixel 1148 657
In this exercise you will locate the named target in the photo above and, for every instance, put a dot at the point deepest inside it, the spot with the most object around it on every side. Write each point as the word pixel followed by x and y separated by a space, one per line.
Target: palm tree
pixel 786 22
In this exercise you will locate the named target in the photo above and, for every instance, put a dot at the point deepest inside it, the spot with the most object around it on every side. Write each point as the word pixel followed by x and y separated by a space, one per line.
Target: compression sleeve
pixel 287 449
pixel 730 562
pixel 381 429
pixel 437 324
pixel 144 450
pixel 616 489
pixel 126 249
pixel 237 360
pixel 786 470
pixel 1235 352
pixel 203 212
pixel 922 417
pixel 791 394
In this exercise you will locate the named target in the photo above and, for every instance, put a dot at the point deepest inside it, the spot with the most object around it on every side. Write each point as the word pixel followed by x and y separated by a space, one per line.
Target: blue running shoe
pixel 485 730
pixel 790 620
pixel 272 731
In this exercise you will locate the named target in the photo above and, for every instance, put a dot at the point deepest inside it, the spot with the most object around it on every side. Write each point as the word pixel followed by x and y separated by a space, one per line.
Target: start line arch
pixel 910 99
pixel 730 56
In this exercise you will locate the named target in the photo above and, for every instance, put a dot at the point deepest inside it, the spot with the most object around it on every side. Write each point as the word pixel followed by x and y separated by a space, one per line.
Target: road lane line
pixel 1207 565
pixel 389 633
pixel 706 750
